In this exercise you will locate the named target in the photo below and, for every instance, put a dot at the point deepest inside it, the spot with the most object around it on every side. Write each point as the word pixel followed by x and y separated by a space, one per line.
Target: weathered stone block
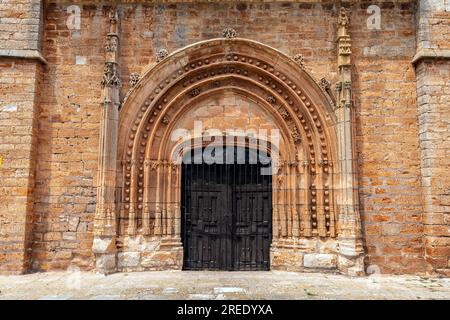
pixel 286 259
pixel 105 263
pixel 128 259
pixel 319 261
pixel 163 260
pixel 103 245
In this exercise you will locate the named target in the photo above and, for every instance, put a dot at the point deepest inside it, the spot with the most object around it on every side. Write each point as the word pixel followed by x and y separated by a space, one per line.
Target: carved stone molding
pixel 110 75
pixel 111 43
pixel 284 113
pixel 343 18
pixel 298 58
pixel 229 33
pixel 296 135
pixel 271 99
pixel 134 78
pixel 325 84
pixel 194 92
pixel 165 120
pixel 161 55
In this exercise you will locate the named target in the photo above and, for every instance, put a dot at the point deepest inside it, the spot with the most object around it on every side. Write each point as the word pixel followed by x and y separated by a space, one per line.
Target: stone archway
pixel 315 219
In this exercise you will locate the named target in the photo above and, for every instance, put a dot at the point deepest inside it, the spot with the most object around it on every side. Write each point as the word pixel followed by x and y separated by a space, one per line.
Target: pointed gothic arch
pixel 306 207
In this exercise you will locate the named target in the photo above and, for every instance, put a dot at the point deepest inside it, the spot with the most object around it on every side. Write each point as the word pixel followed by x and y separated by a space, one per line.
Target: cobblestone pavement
pixel 219 285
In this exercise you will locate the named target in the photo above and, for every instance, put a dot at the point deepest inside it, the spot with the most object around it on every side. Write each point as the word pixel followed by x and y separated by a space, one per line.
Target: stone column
pixel 351 253
pixel 20 77
pixel 104 245
pixel 432 63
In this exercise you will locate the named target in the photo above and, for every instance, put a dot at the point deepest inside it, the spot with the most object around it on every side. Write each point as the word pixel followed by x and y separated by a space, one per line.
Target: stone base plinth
pixel 104 249
pixel 147 253
pixel 313 255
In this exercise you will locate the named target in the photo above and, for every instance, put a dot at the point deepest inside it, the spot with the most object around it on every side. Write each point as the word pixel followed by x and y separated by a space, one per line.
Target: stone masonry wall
pixel 19 101
pixel 20 27
pixel 19 96
pixel 433 89
pixel 50 115
pixel 433 100
pixel 387 145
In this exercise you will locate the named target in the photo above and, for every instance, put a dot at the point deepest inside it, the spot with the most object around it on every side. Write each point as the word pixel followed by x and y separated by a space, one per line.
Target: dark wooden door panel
pixel 227 215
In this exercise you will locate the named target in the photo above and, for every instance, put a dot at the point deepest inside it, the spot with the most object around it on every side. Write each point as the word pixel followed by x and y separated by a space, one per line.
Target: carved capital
pixel 153 164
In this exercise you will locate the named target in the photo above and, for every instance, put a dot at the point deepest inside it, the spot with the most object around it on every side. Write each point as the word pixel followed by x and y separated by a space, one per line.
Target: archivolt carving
pixel 134 78
pixel 303 113
pixel 195 92
pixel 298 58
pixel 324 84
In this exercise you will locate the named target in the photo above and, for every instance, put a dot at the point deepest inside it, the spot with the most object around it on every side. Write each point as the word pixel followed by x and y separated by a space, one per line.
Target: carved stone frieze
pixel 153 164
pixel 345 47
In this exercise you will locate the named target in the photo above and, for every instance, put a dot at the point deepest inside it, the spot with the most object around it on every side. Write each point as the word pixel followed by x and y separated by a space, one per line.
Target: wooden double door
pixel 226 216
